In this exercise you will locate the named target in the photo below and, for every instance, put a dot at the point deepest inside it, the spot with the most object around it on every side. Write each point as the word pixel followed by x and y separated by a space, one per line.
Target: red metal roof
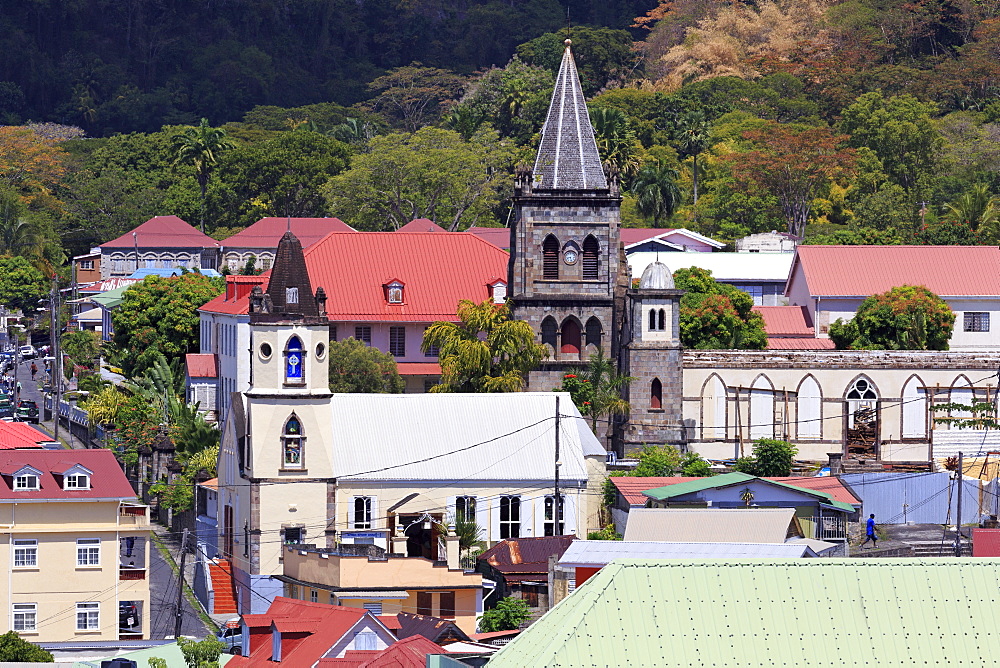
pixel 163 232
pixel 234 301
pixel 200 365
pixel 631 488
pixel 107 482
pixel 418 368
pixel 986 542
pixel 786 320
pixel 800 343
pixel 498 236
pixel 21 436
pixel 421 225
pixel 266 232
pixel 632 235
pixel 859 271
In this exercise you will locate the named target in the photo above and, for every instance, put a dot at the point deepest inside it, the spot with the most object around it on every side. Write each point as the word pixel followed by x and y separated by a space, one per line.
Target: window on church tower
pixel 656 394
pixel 593 332
pixel 591 259
pixel 652 320
pixel 661 320
pixel 291 444
pixel 291 295
pixel 549 329
pixel 550 257
pixel 294 360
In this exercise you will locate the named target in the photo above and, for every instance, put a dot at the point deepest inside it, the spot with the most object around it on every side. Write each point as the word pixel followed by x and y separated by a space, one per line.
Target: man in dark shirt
pixel 870 531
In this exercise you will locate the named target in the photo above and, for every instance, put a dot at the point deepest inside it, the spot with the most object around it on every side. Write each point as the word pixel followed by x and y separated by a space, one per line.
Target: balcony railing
pixel 131 573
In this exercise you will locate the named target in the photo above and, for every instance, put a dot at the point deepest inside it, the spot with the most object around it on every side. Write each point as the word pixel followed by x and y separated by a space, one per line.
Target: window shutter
pixel 591 259
pixel 494 525
pixel 550 258
pixel 483 517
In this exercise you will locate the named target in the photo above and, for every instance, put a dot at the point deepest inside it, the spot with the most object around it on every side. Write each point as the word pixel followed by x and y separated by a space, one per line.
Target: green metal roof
pixel 112 298
pixel 804 612
pixel 735 478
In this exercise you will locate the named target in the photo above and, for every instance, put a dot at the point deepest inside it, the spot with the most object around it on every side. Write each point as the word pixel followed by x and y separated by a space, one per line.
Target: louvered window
pixel 550 257
pixel 591 259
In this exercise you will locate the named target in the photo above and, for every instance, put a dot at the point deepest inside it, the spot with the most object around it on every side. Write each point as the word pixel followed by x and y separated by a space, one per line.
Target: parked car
pixel 28 352
pixel 7 410
pixel 231 635
pixel 27 411
pixel 128 615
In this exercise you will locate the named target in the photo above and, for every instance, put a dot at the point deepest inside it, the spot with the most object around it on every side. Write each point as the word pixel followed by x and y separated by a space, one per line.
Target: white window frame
pixel 25 550
pixel 88 616
pixel 366 523
pixel 550 524
pixel 511 523
pixel 976 321
pixel 26 482
pixel 87 265
pixel 465 501
pixel 88 552
pixel 25 617
pixel 313 596
pixel 72 481
pixel 366 640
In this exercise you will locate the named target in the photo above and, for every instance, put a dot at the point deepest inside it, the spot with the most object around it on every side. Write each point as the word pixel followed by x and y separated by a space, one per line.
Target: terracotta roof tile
pixel 163 232
pixel 266 232
pixel 860 271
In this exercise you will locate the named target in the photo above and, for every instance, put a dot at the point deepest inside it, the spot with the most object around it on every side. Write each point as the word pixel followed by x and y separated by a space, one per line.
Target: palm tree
pixel 656 192
pixel 485 351
pixel 977 208
pixel 17 235
pixel 615 139
pixel 693 137
pixel 606 387
pixel 201 147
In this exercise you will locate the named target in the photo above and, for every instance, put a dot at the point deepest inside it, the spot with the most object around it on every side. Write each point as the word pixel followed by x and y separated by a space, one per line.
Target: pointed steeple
pixel 289 291
pixel 567 155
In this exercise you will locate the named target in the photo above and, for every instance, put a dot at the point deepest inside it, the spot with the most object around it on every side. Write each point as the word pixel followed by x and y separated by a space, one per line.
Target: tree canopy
pixel 22 286
pixel 359 368
pixel 14 648
pixel 716 315
pixel 907 317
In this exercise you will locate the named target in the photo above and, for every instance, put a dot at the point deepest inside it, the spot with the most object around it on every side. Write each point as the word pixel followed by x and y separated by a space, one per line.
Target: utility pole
pixel 179 616
pixel 54 347
pixel 958 515
pixel 556 505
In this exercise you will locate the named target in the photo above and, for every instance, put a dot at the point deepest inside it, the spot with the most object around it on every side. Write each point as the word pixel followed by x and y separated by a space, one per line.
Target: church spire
pixel 567 155
pixel 289 292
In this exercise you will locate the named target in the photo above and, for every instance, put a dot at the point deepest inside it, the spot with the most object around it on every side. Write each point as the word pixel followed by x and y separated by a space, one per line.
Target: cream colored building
pixel 383 585
pixel 301 465
pixel 813 398
pixel 76 547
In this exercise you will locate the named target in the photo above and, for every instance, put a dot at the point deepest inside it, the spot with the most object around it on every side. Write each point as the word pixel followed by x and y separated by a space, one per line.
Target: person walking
pixel 34 370
pixel 870 532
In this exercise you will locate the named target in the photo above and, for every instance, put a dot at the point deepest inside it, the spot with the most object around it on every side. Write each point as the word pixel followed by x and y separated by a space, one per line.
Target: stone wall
pixel 841 359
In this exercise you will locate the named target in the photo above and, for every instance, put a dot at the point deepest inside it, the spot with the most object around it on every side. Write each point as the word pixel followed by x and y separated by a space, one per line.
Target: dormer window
pixel 498 291
pixel 394 292
pixel 291 295
pixel 25 482
pixel 76 481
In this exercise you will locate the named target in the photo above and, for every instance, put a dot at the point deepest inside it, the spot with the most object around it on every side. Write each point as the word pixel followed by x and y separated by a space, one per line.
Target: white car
pixel 28 352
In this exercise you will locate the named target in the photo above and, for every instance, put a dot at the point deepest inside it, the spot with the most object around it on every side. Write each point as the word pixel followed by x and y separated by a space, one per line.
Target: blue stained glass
pixel 293 361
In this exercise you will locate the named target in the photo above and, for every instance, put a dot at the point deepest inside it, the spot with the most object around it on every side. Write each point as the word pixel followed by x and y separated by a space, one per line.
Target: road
pixel 163 600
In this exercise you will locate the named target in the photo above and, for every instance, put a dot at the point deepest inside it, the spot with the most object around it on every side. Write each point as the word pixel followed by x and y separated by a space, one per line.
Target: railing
pixel 131 573
pixel 468 563
pixel 830 528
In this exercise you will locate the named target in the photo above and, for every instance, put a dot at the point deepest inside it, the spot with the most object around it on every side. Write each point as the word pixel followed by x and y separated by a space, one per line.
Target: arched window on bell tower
pixel 591 259
pixel 593 332
pixel 292 442
pixel 295 373
pixel 549 332
pixel 550 257
pixel 656 394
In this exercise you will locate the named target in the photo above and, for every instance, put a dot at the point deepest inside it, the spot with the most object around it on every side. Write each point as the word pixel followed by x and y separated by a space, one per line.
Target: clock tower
pixel 567 273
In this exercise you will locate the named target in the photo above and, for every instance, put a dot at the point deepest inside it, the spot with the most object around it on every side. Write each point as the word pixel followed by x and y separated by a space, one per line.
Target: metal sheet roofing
pixel 418 368
pixel 421 225
pixel 597 553
pixel 21 436
pixel 762 614
pixel 485 437
pixel 107 482
pixel 200 365
pixel 266 232
pixel 163 232
pixel 786 320
pixel 632 487
pixel 859 271
pixel 498 236
pixel 709 525
pixel 729 267
pixel 735 478
pixel 634 235
pixel 800 343
pixel 526 555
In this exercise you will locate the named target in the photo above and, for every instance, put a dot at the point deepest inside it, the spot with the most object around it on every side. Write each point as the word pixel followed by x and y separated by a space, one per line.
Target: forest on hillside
pixel 859 121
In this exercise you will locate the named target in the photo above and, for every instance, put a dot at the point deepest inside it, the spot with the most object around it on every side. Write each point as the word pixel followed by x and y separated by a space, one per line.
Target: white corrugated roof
pixel 724 266
pixel 483 437
pixel 603 552
pixel 709 525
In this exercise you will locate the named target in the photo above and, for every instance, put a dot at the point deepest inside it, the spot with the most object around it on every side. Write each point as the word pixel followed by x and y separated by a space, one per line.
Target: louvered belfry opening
pixel 591 259
pixel 550 257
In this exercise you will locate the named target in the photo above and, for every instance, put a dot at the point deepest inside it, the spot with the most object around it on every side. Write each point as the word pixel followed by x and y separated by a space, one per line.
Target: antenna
pixel 289 222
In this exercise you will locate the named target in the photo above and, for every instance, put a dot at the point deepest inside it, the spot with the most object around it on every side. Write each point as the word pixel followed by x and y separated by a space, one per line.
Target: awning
pixel 354 595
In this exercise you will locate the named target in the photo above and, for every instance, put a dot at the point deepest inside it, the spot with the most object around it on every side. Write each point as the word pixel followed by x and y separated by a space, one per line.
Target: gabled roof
pixel 599 553
pixel 234 301
pixel 800 343
pixel 21 436
pixel 431 437
pixel 711 525
pixel 421 225
pixel 735 478
pixel 768 613
pixel 200 365
pixel 635 235
pixel 406 653
pixel 266 232
pixel 521 557
pixel 786 320
pixel 434 629
pixel 112 298
pixel 829 484
pixel 568 158
pixel 163 232
pixel 107 482
pixel 498 236
pixel 726 267
pixel 860 271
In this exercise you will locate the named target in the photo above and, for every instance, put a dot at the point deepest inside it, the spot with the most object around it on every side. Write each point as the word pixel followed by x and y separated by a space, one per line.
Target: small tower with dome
pixel 651 351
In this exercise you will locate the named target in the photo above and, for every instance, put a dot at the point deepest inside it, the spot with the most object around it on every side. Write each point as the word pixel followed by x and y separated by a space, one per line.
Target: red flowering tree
pixel 716 315
pixel 907 317
pixel 597 390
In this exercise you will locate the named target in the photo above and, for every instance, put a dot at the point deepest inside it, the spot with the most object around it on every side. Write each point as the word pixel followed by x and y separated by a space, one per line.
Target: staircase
pixel 222 585
pixel 938 549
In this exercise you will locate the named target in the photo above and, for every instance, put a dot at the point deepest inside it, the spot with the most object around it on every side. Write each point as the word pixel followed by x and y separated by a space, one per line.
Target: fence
pixel 920 498
pixel 74 418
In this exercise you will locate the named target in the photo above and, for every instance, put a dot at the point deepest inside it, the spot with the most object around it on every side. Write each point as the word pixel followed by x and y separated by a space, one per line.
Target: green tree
pixel 104 407
pixel 977 208
pixel 906 317
pixel 359 368
pixel 485 351
pixel 17 234
pixel 432 173
pixel 14 648
pixel 598 393
pixel 716 315
pixel 771 458
pixel 412 96
pixel 200 148
pixel 602 55
pixel 508 615
pixel 656 193
pixel 22 286
pixel 692 137
pixel 82 347
pixel 616 141
pixel 201 653
pixel 513 99
pixel 159 315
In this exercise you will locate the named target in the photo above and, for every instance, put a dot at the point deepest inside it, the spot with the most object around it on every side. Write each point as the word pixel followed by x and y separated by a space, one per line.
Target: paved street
pixel 163 598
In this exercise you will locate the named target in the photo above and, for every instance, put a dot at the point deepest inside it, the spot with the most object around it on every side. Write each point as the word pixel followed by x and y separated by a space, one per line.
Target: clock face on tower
pixel 570 256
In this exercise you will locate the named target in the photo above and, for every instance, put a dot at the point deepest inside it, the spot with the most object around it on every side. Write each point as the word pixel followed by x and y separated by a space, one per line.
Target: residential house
pixel 87 267
pixel 258 241
pixel 832 281
pixel 302 633
pixel 162 242
pixel 653 239
pixel 202 383
pixel 768 242
pixel 421 225
pixel 394 480
pixel 410 652
pixel 108 302
pixel 436 629
pixel 819 515
pixel 766 613
pixel 761 275
pixel 520 567
pixel 713 525
pixel 366 576
pixel 75 547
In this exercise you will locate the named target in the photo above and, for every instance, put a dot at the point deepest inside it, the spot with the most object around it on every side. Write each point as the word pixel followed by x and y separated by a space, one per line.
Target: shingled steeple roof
pixel 289 292
pixel 567 155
